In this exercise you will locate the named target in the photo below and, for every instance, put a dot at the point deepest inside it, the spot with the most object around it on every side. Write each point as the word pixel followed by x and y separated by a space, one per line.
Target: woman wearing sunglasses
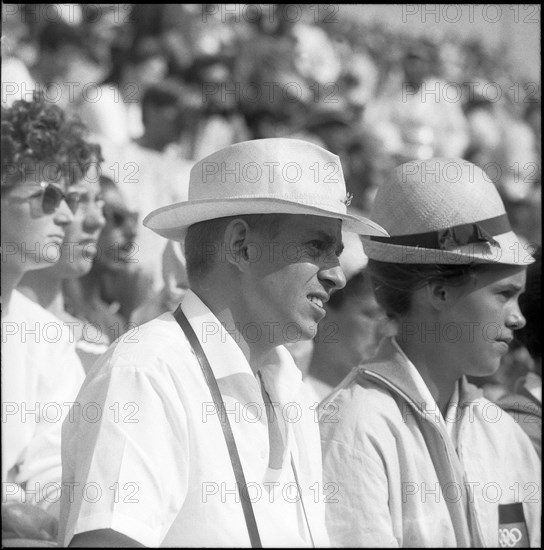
pixel 43 155
pixel 417 457
pixel 79 249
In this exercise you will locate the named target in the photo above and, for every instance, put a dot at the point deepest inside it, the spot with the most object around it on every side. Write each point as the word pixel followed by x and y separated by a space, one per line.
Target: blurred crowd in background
pixel 160 86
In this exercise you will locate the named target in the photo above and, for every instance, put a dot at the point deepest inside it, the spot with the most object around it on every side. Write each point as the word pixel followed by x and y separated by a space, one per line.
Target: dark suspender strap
pixel 225 425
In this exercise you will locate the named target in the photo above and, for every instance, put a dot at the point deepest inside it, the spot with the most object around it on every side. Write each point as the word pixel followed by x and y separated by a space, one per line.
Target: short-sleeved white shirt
pixel 144 452
pixel 41 376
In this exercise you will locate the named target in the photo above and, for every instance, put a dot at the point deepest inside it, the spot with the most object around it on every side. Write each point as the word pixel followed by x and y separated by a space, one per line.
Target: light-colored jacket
pixel 405 476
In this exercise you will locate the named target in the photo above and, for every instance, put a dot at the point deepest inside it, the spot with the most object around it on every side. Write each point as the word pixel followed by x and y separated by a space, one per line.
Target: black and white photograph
pixel 271 275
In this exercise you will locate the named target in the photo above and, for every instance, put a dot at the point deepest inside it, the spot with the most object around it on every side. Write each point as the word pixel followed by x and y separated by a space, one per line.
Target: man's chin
pixel 308 332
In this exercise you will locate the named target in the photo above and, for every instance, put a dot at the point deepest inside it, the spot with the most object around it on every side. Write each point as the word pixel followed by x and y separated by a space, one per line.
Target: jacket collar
pixel 394 368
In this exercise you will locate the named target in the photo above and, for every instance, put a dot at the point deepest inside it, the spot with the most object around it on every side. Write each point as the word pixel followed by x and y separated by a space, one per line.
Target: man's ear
pixel 236 243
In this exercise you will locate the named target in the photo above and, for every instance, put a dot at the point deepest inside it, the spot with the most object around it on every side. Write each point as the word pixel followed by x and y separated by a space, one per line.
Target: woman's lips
pixel 57 238
pixel 503 345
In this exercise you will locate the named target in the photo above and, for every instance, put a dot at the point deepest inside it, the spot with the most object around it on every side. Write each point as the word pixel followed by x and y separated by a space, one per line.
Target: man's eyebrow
pixel 322 235
pixel 328 239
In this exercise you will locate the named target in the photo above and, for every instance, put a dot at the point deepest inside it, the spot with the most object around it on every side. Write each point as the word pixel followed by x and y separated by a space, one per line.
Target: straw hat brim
pixel 173 220
pixel 510 251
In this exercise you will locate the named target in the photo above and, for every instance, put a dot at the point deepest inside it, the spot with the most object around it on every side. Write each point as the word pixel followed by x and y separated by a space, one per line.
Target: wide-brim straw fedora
pixel 443 211
pixel 262 176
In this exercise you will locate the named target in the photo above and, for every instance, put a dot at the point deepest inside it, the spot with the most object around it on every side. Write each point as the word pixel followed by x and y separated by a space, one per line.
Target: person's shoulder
pixel 359 403
pixel 501 419
pixel 39 327
pixel 26 308
pixel 487 426
pixel 159 342
pixel 520 403
pixel 161 335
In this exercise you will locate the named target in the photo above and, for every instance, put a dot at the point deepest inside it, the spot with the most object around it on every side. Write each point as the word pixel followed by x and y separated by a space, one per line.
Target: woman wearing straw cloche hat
pixel 417 455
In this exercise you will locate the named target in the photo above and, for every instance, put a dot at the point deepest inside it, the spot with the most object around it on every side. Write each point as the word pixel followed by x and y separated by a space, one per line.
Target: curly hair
pixel 36 134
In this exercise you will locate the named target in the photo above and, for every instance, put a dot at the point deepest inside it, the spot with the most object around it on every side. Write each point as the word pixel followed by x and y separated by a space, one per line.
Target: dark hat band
pixel 452 237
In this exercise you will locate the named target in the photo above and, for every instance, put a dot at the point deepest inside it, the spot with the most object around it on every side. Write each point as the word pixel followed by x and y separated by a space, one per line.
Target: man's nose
pixel 334 274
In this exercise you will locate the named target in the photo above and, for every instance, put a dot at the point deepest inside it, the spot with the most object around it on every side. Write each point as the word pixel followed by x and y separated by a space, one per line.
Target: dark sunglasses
pixel 117 216
pixel 52 196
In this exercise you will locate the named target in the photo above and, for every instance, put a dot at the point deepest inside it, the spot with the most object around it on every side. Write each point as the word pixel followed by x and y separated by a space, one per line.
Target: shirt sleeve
pixel 126 460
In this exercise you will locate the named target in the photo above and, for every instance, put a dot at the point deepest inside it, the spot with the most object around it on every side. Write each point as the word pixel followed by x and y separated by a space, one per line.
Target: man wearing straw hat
pixel 200 434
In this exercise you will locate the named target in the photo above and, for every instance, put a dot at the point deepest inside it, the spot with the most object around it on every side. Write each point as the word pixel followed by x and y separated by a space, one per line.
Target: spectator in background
pixel 333 128
pixel 175 285
pixel 505 147
pixel 351 329
pixel 484 131
pixel 222 96
pixel 77 253
pixel 73 74
pixel 533 117
pixel 146 65
pixel 278 98
pixel 65 64
pixel 152 173
pixel 110 291
pixel 44 154
pixel 170 111
pixel 525 404
pixel 412 104
pixel 19 54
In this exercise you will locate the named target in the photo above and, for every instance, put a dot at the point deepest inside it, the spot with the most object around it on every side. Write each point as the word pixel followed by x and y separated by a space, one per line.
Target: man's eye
pixel 319 245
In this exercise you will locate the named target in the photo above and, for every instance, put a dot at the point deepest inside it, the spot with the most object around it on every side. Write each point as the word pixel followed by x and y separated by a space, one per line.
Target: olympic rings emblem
pixel 508 538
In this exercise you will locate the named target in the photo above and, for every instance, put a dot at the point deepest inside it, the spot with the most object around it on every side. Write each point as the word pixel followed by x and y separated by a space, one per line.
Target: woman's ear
pixel 441 295
pixel 235 244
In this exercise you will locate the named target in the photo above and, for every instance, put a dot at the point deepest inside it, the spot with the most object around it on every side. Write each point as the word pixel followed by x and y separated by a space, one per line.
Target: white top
pixel 158 460
pixel 41 375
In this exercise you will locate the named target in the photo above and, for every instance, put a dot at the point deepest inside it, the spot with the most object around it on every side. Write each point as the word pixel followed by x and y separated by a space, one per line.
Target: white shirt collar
pixel 223 353
pixel 281 376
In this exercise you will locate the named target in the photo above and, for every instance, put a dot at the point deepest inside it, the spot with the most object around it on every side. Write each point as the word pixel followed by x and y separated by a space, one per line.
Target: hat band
pixel 455 236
